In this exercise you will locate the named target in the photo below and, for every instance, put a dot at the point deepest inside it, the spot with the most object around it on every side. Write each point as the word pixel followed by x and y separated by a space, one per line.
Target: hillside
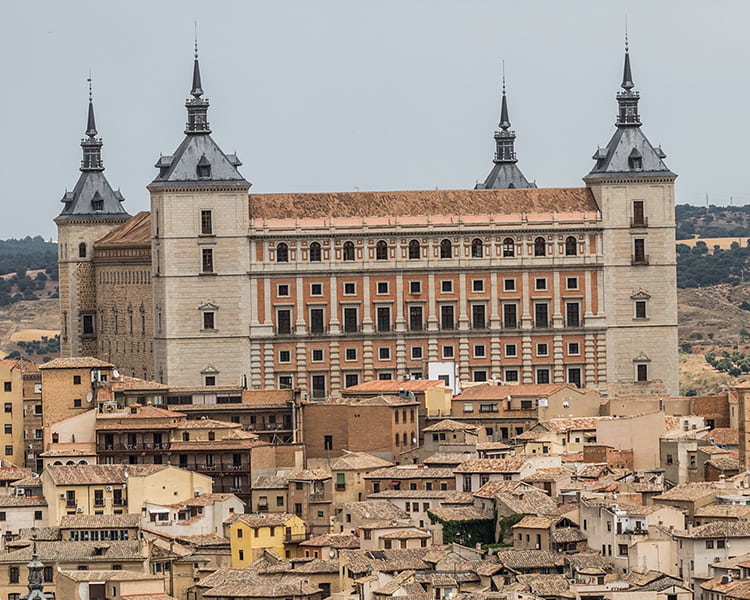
pixel 712 221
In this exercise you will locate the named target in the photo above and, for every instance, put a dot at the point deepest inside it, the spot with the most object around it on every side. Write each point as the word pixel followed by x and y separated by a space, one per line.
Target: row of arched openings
pixel 315 253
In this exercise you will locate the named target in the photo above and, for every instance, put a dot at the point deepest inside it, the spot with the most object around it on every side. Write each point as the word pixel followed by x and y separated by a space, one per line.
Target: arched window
pixel 282 253
pixel 381 250
pixel 477 250
pixel 348 251
pixel 414 249
pixel 540 247
pixel 509 247
pixel 446 249
pixel 571 246
pixel 315 254
pixel 82 250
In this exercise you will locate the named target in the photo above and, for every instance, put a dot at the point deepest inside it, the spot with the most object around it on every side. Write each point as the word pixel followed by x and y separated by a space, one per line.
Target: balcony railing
pixel 317 497
pixel 71 504
pixel 642 222
pixel 640 259
pixel 295 537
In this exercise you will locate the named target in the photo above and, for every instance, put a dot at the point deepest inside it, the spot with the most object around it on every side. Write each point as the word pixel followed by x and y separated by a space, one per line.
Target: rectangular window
pixel 574 376
pixel 206 223
pixel 88 324
pixel 8 405
pixel 446 317
pixel 640 309
pixel 208 320
pixel 572 314
pixel 571 283
pixel 540 283
pixel 382 287
pixel 207 260
pixel 316 320
pixel 416 322
pixel 385 376
pixel 384 353
pixel 574 348
pixel 318 386
pixel 351 321
pixel 486 407
pixel 351 379
pixel 479 351
pixel 639 215
pixel 542 375
pixel 416 352
pixel 8 450
pixel 317 355
pixel 384 318
pixel 542 350
pixel 316 289
pixel 8 386
pixel 350 354
pixel 477 285
pixel 286 382
pixel 285 356
pixel 509 285
pixel 447 351
pixel 8 428
pixel 510 316
pixel 511 350
pixel 446 286
pixel 415 287
pixel 639 251
pixel 641 372
pixel 478 319
pixel 350 288
pixel 541 314
pixel 468 407
pixel 284 320
pixel 480 375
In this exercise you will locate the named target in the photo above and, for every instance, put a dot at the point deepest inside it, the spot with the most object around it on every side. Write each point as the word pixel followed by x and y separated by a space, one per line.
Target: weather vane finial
pixel 91 96
pixel 196 38
pixel 503 76
pixel 626 32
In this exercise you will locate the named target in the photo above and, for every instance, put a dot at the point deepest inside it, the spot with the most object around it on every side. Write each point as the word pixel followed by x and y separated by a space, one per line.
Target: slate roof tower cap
pixel 628 153
pixel 505 174
pixel 92 195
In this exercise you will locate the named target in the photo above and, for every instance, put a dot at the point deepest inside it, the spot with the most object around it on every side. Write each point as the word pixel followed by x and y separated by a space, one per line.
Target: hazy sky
pixel 325 95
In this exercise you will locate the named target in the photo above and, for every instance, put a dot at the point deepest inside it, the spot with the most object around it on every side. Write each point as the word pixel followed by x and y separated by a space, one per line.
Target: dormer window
pixel 97 202
pixel 204 168
pixel 635 160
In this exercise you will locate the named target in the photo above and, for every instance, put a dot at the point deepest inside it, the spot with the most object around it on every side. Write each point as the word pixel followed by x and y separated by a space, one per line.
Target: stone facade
pixel 319 292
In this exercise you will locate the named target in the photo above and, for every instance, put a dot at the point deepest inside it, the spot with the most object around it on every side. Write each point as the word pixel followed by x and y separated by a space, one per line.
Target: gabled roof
pixel 79 362
pixel 451 425
pixel 512 464
pixel 359 461
pixel 493 391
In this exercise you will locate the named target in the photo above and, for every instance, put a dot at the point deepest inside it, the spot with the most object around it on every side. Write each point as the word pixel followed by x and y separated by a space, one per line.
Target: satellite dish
pixel 332 553
pixel 115 373
pixel 89 397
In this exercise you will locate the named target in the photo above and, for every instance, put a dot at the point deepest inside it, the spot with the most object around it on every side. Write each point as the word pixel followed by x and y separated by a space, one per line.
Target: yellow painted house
pixel 251 534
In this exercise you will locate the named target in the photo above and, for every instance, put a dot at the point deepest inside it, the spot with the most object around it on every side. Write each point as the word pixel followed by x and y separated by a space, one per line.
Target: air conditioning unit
pixel 108 488
pixel 20 492
pixel 109 407
pixel 79 510
pixel 62 496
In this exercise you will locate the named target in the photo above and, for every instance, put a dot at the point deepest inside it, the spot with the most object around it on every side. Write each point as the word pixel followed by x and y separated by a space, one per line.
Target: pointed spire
pixel 627 76
pixel 504 120
pixel 627 100
pixel 91 125
pixel 505 138
pixel 197 107
pixel 92 145
pixel 197 90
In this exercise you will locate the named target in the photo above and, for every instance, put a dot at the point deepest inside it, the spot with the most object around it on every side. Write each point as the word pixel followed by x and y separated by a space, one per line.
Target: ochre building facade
pixel 215 286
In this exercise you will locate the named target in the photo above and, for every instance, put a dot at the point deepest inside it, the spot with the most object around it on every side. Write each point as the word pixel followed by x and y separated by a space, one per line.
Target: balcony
pixel 639 259
pixel 294 537
pixel 639 222
pixel 71 503
pixel 318 497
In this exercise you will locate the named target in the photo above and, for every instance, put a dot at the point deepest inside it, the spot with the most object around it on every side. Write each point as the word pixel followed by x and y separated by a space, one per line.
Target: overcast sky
pixel 327 95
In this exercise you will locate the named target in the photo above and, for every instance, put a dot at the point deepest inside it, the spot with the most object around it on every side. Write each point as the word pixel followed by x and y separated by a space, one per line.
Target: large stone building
pixel 324 291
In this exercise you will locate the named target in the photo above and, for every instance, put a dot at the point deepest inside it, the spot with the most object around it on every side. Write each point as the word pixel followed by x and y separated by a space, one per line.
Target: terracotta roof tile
pixel 256 520
pixel 723 436
pixel 451 425
pixel 492 465
pixel 422 203
pixel 80 362
pixel 332 540
pixel 536 522
pixel 135 231
pixel 493 391
pixel 410 472
pixel 377 386
pixel 359 461
pixel 462 513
